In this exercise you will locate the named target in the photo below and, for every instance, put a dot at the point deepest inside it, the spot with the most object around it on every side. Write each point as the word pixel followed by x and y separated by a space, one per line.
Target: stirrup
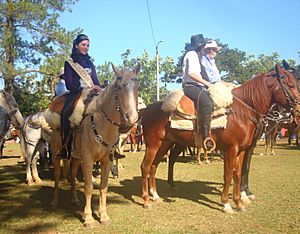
pixel 206 140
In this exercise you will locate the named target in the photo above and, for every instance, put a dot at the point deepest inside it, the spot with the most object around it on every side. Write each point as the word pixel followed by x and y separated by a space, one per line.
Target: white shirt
pixel 191 64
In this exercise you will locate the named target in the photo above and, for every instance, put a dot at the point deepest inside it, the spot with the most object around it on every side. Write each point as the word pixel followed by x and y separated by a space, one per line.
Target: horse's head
pixel 126 94
pixel 286 92
pixel 9 103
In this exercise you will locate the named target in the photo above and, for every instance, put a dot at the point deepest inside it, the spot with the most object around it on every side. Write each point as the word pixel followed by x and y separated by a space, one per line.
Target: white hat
pixel 61 71
pixel 212 44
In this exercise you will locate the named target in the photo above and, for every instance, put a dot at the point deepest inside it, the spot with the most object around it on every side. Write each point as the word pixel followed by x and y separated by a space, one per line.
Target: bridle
pixel 292 101
pixel 117 104
pixel 98 137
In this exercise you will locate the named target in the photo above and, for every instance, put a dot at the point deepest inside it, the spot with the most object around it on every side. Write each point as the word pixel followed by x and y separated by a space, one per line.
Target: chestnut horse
pixel 97 137
pixel 251 103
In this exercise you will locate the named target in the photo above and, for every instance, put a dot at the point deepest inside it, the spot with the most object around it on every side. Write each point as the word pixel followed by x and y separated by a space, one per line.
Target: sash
pixel 81 72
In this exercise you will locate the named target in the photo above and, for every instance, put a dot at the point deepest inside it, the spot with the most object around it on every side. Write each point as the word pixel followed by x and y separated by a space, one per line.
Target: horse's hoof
pixel 38 181
pixel 29 182
pixel 246 200
pixel 207 162
pixel 105 222
pixel 147 206
pixel 199 163
pixel 89 225
pixel 252 197
pixel 228 209
pixel 241 209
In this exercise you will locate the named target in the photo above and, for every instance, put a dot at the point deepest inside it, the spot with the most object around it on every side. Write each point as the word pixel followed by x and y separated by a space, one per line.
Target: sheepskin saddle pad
pixel 52 114
pixel 183 113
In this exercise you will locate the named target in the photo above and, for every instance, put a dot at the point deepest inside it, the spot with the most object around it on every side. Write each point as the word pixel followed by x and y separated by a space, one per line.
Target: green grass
pixel 194 208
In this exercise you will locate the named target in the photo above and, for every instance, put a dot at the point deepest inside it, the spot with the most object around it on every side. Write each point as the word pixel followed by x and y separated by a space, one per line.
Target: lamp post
pixel 157 70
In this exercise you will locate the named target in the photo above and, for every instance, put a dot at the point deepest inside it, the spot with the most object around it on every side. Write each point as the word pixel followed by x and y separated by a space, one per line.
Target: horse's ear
pixel 116 70
pixel 137 68
pixel 286 65
pixel 277 70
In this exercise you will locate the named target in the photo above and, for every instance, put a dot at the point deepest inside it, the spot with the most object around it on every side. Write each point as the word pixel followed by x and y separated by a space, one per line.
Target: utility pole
pixel 157 70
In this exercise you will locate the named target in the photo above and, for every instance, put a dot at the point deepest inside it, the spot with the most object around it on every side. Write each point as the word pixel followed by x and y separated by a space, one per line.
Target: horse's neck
pixel 105 102
pixel 251 99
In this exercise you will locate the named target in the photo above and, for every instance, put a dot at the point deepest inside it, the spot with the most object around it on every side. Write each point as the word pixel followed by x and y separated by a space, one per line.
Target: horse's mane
pixel 254 93
pixel 99 99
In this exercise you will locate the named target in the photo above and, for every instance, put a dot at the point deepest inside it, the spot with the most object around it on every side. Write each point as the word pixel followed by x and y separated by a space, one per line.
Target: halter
pixel 116 88
pixel 98 137
pixel 290 99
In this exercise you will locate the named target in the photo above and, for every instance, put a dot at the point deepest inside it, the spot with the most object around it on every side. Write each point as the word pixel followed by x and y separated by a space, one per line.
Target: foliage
pixel 29 34
pixel 195 206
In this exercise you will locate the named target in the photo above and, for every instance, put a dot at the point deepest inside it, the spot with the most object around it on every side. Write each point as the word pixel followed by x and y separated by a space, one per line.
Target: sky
pixel 253 26
pixel 256 26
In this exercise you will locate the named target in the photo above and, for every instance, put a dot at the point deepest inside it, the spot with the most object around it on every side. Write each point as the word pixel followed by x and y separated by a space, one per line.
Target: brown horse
pixel 97 138
pixel 251 103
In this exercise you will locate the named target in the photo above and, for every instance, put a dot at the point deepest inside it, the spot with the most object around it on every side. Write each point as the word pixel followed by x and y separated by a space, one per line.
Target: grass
pixel 194 208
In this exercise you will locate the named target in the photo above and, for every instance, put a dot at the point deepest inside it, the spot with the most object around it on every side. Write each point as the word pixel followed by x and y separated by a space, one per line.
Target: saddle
pixel 79 104
pixel 57 103
pixel 183 113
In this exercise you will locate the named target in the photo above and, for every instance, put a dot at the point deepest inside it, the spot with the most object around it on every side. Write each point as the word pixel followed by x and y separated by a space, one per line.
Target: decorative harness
pixel 98 137
pixel 290 99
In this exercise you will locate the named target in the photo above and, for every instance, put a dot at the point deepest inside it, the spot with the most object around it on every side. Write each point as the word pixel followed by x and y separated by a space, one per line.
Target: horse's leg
pixel 36 154
pixel 88 190
pixel 75 163
pixel 273 142
pixel 66 171
pixel 246 195
pixel 105 168
pixel 28 152
pixel 199 155
pixel 149 156
pixel 56 146
pixel 172 159
pixel 237 181
pixel 165 146
pixel 35 174
pixel 229 162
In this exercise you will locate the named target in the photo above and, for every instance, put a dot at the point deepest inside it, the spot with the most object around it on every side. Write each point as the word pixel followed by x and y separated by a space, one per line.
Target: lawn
pixel 194 208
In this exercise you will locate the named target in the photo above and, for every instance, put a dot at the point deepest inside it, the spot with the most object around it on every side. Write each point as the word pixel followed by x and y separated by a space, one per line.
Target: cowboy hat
pixel 212 44
pixel 197 40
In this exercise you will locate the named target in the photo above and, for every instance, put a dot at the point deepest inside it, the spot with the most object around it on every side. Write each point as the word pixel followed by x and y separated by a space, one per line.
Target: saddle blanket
pixel 184 124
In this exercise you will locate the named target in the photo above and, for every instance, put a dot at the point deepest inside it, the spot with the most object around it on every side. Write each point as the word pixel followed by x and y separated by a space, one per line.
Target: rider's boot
pixel 208 142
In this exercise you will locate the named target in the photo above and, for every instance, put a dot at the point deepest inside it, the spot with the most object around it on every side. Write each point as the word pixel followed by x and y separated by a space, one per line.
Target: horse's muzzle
pixel 130 118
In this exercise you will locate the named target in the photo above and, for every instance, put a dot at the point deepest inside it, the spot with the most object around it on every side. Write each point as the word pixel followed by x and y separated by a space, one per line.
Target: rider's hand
pixel 97 88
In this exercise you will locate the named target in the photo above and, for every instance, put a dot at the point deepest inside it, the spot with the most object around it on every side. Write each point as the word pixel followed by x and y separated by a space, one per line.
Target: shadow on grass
pixel 195 191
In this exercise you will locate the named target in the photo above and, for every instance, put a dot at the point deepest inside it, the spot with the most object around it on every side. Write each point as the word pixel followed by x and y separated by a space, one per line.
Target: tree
pixel 29 32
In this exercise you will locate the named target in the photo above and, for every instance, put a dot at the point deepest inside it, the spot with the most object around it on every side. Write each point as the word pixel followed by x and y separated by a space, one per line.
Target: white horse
pixel 33 135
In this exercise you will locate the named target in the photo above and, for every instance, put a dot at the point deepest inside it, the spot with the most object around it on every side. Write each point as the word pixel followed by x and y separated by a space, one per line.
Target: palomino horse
pixel 251 103
pixel 9 113
pixel 97 137
pixel 34 133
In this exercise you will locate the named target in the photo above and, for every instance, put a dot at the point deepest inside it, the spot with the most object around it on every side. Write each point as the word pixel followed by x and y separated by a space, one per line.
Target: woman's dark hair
pixel 75 55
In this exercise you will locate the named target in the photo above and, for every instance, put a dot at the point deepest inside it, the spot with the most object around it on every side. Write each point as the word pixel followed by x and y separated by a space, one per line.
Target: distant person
pixel 61 88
